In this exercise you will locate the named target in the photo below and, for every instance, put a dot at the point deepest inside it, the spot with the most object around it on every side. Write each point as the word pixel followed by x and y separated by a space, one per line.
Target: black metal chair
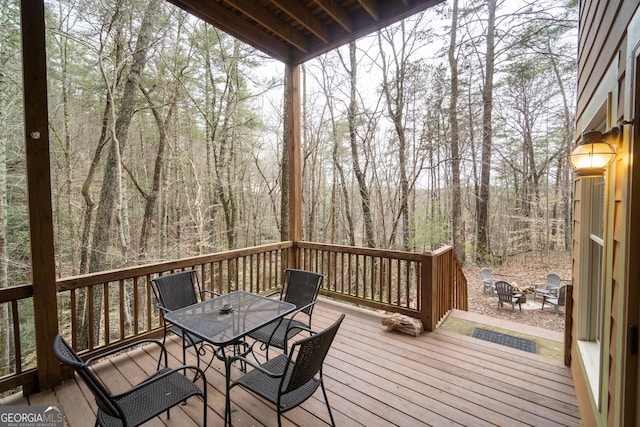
pixel 158 393
pixel 507 295
pixel 300 288
pixel 178 290
pixel 288 379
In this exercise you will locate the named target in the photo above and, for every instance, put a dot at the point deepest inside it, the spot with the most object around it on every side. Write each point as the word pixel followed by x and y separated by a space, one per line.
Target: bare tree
pixel 393 87
pixel 352 115
pixel 482 206
pixel 111 183
pixel 456 204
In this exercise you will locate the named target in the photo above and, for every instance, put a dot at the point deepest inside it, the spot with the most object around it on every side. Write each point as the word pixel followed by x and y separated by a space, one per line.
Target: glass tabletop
pixel 225 319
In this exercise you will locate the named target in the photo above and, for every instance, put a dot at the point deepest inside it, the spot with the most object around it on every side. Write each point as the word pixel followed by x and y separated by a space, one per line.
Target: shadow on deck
pixel 374 377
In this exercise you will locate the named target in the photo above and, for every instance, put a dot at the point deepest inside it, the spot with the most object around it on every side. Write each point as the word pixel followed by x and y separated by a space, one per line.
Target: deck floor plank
pixel 82 411
pixel 373 377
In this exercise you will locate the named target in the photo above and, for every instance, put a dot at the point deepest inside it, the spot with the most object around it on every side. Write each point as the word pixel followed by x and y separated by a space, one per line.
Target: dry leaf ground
pixel 521 270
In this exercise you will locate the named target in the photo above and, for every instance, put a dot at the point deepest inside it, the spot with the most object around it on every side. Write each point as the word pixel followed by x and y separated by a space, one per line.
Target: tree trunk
pixel 562 189
pixel 110 193
pixel 7 356
pixel 360 176
pixel 284 178
pixel 339 181
pixel 224 187
pixel 483 250
pixel 152 196
pixel 395 109
pixel 456 204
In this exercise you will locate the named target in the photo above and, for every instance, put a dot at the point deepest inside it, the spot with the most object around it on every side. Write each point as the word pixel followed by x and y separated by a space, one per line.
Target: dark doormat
pixel 504 339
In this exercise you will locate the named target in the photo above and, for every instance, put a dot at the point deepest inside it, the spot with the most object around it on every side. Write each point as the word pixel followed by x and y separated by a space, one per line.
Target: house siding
pixel 608 42
pixel 602 28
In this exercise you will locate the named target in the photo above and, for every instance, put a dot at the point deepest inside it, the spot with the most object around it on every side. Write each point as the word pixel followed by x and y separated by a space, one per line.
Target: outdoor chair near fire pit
pixel 558 301
pixel 506 294
pixel 487 281
pixel 550 287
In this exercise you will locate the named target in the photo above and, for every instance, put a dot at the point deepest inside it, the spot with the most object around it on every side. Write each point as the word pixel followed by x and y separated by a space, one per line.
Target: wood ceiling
pixel 294 31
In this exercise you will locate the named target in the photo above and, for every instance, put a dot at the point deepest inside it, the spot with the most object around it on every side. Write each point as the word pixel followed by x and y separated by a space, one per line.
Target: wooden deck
pixel 374 378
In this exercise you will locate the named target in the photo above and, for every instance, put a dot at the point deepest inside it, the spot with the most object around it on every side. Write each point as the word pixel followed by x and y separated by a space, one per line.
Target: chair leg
pixel 326 400
pixel 227 404
pixel 164 350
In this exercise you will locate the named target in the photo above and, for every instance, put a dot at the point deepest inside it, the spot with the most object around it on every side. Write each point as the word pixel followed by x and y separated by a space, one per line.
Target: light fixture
pixel 594 153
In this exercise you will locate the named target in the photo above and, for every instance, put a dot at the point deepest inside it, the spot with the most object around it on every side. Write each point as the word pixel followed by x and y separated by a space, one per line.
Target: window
pixel 591 289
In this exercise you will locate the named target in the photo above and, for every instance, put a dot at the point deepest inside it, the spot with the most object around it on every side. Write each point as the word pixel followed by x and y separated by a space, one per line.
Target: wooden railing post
pixel 428 293
pixel 443 286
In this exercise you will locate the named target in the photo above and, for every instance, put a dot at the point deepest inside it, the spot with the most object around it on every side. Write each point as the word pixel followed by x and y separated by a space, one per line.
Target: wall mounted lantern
pixel 594 153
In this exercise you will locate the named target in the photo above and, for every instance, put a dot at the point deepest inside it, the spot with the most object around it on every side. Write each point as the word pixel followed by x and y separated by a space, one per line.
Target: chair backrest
pixel 562 295
pixel 553 279
pixel 310 353
pixel 176 290
pixel 301 287
pixel 68 356
pixel 486 274
pixel 504 290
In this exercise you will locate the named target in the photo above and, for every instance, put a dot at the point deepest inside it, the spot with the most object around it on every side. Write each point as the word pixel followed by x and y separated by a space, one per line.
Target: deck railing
pixel 426 286
pixel 120 302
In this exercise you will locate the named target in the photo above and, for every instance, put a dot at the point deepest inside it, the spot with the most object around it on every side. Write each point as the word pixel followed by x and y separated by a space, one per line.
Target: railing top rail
pixel 90 279
pixel 15 293
pixel 441 250
pixel 387 253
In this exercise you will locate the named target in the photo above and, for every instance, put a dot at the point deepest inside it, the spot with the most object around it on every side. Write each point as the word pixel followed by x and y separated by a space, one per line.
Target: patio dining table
pixel 227 319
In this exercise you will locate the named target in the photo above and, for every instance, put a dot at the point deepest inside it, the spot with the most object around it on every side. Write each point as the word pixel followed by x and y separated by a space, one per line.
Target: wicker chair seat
pixel 287 380
pixel 300 288
pixel 278 332
pixel 158 393
pixel 266 386
pixel 150 398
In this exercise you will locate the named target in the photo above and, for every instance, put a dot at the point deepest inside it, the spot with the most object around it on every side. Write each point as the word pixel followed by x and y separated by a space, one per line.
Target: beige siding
pixel 609 62
pixel 602 28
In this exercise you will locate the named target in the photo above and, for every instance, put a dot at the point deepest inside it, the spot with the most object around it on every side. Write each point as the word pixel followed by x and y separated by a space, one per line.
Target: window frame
pixel 594 196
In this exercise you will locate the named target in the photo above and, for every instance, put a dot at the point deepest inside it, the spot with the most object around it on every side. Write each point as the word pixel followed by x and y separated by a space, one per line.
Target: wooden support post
pixel 293 139
pixel 568 324
pixel 36 124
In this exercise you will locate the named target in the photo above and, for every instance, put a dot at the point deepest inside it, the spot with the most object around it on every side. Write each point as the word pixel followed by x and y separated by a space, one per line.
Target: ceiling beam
pixel 364 24
pixel 338 13
pixel 371 6
pixel 294 31
pixel 271 22
pixel 304 17
pixel 224 19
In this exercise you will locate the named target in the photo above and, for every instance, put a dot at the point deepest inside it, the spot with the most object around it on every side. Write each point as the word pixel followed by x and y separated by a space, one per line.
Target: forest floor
pixel 522 271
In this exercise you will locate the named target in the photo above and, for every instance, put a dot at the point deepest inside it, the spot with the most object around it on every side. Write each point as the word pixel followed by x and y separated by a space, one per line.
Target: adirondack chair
pixel 487 281
pixel 507 295
pixel 558 301
pixel 550 287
